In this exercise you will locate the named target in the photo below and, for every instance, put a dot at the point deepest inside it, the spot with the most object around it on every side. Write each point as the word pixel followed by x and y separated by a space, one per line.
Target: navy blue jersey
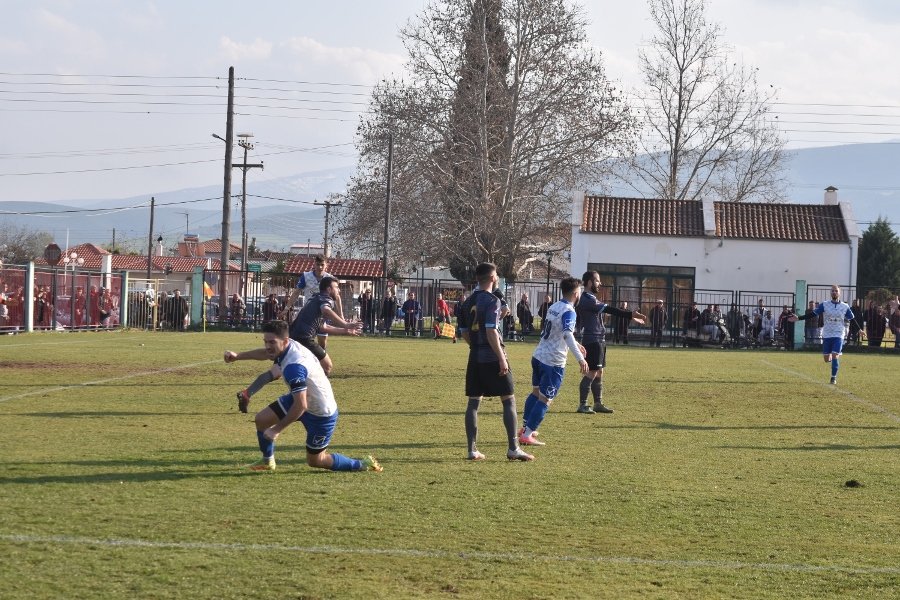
pixel 589 310
pixel 310 318
pixel 479 313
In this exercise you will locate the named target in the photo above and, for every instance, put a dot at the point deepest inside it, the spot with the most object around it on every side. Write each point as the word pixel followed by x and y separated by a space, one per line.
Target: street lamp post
pixel 74 261
pixel 549 260
pixel 422 292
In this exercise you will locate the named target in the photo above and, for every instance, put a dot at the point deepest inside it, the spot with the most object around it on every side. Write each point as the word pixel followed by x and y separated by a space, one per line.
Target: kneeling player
pixel 310 401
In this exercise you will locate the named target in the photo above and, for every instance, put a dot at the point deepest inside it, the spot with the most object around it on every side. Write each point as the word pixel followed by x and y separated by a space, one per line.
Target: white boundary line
pixel 102 381
pixel 877 408
pixel 448 555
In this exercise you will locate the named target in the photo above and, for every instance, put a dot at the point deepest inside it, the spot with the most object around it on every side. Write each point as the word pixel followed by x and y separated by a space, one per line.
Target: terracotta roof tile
pixel 787 222
pixel 344 268
pixel 684 218
pixel 642 216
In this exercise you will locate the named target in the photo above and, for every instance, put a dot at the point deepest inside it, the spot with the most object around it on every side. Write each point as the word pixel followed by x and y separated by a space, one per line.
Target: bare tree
pixel 18 245
pixel 708 129
pixel 505 111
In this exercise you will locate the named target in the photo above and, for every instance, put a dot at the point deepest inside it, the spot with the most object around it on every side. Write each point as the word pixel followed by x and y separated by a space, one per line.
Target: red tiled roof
pixel 642 216
pixel 215 246
pixel 344 268
pixel 787 222
pixel 684 218
pixel 85 250
pixel 127 262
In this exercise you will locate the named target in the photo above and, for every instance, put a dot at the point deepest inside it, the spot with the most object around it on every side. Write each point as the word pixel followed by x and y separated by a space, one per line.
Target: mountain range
pixel 280 212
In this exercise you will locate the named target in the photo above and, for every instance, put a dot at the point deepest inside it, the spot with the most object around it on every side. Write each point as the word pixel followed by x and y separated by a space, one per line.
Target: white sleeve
pixel 573 345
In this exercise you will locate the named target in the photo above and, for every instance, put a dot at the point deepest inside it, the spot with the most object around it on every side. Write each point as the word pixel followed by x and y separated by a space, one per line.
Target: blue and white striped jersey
pixel 834 313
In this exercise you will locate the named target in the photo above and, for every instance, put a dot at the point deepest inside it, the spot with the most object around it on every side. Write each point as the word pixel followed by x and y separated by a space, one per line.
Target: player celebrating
pixel 589 310
pixel 310 401
pixel 548 363
pixel 834 314
pixel 304 329
pixel 487 373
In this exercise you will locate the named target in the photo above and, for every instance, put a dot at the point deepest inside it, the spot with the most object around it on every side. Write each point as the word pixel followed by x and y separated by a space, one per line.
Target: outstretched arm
pixel 257 354
pixel 577 350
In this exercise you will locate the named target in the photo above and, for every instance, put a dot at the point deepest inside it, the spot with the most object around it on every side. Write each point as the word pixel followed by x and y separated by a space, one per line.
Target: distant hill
pixel 865 174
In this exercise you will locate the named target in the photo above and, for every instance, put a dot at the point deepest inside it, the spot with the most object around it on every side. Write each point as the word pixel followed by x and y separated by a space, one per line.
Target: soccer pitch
pixel 722 474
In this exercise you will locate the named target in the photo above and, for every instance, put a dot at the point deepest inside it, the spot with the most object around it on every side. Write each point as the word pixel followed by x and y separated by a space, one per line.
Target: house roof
pixel 684 218
pixel 215 246
pixel 127 262
pixel 786 222
pixel 642 216
pixel 344 268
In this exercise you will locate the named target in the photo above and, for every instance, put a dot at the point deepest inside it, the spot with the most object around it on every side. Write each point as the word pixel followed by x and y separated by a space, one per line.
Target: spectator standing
pixel 811 332
pixel 4 305
pixel 657 318
pixel 542 310
pixel 366 310
pixel 94 306
pixel 621 325
pixel 236 308
pixel 857 323
pixel 411 311
pixel 876 323
pixel 457 310
pixel 106 305
pixel 733 321
pixel 786 326
pixel 523 312
pixel 689 322
pixel 270 308
pixel 767 328
pixel 80 305
pixel 894 323
pixel 177 310
pixel 388 312
pixel 757 316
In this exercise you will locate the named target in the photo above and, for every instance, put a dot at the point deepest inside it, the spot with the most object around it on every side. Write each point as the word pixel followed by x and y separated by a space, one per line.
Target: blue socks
pixel 266 446
pixel 530 401
pixel 834 367
pixel 536 416
pixel 344 463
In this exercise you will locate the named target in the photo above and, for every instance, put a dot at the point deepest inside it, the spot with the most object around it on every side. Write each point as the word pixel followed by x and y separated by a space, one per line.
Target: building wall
pixel 723 264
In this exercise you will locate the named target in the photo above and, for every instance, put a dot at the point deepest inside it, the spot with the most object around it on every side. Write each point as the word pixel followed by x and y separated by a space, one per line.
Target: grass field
pixel 722 474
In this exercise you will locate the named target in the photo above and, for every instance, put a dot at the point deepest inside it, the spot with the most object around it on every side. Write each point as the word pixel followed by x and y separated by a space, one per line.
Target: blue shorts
pixel 318 429
pixel 832 345
pixel 546 378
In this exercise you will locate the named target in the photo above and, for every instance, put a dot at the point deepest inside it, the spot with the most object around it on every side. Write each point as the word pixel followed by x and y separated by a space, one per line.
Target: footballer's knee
pixel 318 460
pixel 327 365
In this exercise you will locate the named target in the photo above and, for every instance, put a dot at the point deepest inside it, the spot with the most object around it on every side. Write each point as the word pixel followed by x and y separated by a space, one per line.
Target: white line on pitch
pixel 103 381
pixel 447 554
pixel 850 395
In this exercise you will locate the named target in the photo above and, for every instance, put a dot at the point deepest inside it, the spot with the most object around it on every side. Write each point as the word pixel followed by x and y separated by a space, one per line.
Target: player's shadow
pixel 690 427
pixel 817 447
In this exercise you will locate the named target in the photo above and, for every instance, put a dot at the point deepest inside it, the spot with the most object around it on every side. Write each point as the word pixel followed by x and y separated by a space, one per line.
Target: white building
pixel 672 247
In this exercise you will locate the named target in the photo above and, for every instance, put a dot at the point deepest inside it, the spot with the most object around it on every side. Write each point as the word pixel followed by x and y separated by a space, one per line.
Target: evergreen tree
pixel 879 257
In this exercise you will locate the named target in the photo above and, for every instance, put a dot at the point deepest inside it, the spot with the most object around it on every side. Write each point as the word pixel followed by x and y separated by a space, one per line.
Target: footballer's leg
pixel 318 435
pixel 264 419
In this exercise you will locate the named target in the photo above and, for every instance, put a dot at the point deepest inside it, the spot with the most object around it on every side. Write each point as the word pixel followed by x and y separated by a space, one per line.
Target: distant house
pixel 671 245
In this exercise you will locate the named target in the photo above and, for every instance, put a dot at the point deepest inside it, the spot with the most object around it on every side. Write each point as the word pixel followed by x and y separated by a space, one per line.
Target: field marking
pixel 102 381
pixel 446 554
pixel 850 395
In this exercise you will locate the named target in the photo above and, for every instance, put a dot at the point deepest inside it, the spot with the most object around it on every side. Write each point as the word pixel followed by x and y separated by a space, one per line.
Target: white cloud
pixel 358 64
pixel 69 38
pixel 258 49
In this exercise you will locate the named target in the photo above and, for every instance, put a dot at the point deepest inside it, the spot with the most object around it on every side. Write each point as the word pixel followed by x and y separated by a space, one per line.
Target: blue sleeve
pixel 849 314
pixel 601 307
pixel 820 308
pixel 568 321
pixel 301 283
pixel 295 376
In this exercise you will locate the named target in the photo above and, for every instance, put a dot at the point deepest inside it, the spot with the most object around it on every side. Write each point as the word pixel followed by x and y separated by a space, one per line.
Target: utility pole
pixel 150 239
pixel 187 221
pixel 114 239
pixel 327 204
pixel 387 212
pixel 245 143
pixel 226 201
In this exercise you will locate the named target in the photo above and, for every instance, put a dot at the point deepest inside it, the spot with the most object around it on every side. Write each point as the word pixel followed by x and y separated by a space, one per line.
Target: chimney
pixel 831 198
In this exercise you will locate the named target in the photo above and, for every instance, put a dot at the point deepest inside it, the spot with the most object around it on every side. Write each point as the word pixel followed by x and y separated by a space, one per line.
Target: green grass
pixel 721 475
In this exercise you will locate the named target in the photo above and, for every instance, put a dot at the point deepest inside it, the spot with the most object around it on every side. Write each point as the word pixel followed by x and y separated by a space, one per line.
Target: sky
pixel 118 98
